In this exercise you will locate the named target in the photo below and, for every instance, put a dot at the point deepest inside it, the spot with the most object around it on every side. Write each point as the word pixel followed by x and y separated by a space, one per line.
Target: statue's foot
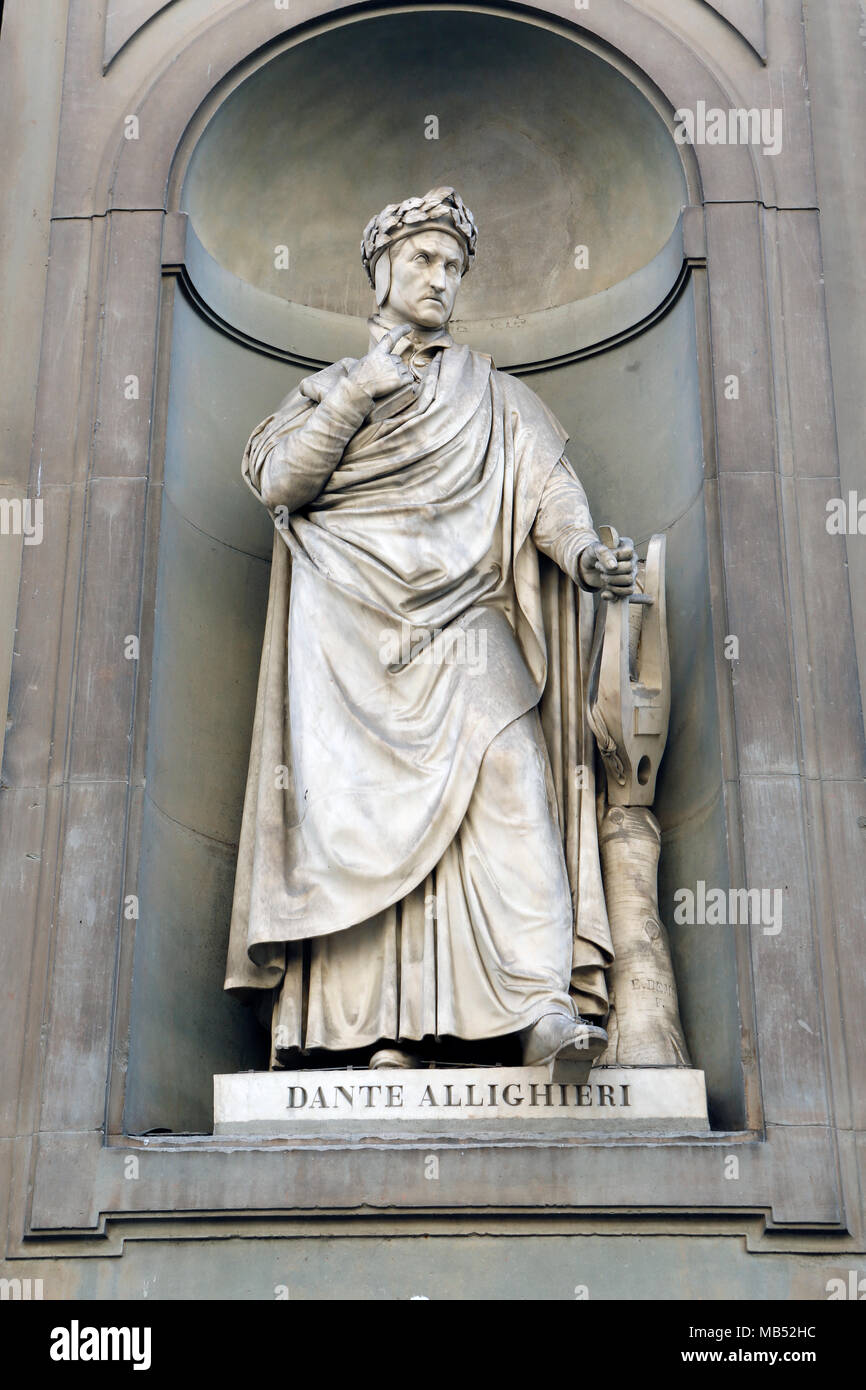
pixel 393 1057
pixel 561 1037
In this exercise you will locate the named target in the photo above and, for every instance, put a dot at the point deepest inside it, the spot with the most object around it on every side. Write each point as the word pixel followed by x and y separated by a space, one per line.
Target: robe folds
pixel 411 620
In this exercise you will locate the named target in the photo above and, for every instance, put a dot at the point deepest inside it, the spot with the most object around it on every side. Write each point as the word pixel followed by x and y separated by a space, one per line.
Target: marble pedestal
pixel 507 1102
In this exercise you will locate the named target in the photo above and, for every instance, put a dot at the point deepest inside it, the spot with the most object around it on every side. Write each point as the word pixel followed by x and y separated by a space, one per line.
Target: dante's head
pixel 415 254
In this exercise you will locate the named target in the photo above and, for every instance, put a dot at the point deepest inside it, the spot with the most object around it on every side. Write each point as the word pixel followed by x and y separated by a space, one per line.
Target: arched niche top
pixel 126 18
pixel 177 101
pixel 552 148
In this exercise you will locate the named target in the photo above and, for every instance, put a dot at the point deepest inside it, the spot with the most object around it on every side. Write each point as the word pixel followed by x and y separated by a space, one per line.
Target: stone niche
pixel 554 149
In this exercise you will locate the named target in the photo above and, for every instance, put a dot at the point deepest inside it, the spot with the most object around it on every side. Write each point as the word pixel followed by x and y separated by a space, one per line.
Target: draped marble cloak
pixel 364 757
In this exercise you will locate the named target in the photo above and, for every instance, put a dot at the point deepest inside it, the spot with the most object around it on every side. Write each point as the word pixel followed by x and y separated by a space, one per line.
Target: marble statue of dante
pixel 419 853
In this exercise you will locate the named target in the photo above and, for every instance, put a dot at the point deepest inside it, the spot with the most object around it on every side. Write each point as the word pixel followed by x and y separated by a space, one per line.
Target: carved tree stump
pixel 644 1025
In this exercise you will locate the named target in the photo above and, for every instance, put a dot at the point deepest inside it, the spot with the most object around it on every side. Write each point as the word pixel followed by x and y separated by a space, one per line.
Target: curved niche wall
pixel 553 149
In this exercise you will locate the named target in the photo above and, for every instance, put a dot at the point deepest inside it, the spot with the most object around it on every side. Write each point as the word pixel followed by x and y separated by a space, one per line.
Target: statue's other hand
pixel 381 372
pixel 611 571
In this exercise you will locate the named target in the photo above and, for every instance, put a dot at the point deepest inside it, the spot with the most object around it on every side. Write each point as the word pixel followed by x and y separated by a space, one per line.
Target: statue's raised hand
pixel 381 371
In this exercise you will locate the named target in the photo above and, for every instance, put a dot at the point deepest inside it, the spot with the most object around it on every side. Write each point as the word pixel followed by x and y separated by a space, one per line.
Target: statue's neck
pixel 418 337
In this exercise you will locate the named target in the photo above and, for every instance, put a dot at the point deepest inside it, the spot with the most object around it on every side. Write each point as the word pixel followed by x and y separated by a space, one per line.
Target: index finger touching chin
pixel 393 336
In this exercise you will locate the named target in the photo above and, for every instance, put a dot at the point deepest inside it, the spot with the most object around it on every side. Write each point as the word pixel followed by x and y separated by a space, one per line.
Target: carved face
pixel 425 276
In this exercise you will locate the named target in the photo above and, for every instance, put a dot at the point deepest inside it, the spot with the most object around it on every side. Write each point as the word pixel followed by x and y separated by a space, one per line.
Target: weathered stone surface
pixel 844 930
pixel 61 441
pixel 78 1024
pixel 23 821
pixel 217 388
pixel 834 36
pixel 830 708
pixel 758 618
pixel 108 618
pixel 741 342
pixel 31 76
pixel 242 1176
pixel 211 599
pixel 810 443
pixel 127 351
pixel 11 547
pixel 183 1027
pixel 39 712
pixel 785 958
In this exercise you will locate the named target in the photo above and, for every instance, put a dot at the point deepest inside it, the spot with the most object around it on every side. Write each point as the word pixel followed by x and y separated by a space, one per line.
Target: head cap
pixel 440 210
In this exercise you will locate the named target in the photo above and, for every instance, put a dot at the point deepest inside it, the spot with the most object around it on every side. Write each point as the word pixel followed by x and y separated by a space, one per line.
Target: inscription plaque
pixel 477 1100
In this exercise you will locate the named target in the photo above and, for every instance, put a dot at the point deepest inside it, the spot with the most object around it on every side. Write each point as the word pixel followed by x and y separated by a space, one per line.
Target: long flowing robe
pixel 371 724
